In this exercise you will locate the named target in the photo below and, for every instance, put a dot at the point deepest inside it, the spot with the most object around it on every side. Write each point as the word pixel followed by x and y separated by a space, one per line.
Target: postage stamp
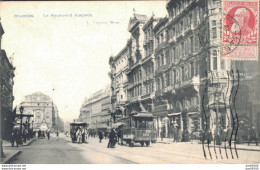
pixel 240 30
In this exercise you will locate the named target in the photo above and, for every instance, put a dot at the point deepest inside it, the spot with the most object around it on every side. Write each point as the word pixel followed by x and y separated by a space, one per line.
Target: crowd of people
pixel 218 137
pixel 81 135
pixel 21 136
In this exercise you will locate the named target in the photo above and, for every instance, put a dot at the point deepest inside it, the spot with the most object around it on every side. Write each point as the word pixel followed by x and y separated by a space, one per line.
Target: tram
pixel 73 129
pixel 139 128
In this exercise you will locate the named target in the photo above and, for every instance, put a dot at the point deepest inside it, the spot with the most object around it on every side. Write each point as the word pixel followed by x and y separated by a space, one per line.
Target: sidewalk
pixel 252 147
pixel 11 152
pixel 8 143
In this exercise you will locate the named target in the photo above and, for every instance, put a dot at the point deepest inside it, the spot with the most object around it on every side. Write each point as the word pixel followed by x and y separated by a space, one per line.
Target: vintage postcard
pixel 130 82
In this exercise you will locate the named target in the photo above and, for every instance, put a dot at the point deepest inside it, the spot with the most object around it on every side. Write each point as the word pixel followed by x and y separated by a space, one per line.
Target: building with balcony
pixel 136 56
pixel 119 83
pixel 180 76
pixel 6 91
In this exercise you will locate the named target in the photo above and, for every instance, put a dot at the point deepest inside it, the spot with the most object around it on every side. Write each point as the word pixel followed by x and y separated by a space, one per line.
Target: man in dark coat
pixel 252 135
pixel 100 136
pixel 119 136
pixel 111 137
pixel 48 134
pixel 39 134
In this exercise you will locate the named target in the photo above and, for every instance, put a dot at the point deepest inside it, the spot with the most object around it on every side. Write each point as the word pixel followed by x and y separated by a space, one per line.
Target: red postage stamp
pixel 240 29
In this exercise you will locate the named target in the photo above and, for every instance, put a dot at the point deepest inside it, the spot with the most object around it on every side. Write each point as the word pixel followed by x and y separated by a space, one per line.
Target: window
pixel 173 55
pixel 162 40
pixel 192 69
pixel 214 23
pixel 162 58
pixel 214 29
pixel 215 60
pixel 182 48
pixel 214 32
pixel 181 26
pixel 174 76
pixel 182 73
pixel 191 44
pixel 223 65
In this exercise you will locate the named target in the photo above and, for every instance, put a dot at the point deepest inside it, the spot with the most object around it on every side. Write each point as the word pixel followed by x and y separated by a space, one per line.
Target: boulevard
pixel 60 150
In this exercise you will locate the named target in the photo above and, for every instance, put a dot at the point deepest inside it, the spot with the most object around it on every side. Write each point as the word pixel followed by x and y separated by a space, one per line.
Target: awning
pixel 117 124
pixel 192 113
pixel 174 114
pixel 142 114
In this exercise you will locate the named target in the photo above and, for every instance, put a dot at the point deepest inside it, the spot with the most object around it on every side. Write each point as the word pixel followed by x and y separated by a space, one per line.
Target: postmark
pixel 240 30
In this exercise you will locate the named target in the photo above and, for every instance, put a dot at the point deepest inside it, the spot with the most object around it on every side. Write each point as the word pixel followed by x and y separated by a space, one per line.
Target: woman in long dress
pixel 79 136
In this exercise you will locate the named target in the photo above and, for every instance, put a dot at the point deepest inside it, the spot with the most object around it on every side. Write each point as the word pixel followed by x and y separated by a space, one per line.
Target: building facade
pixel 6 94
pixel 44 111
pixel 96 109
pixel 119 66
pixel 175 70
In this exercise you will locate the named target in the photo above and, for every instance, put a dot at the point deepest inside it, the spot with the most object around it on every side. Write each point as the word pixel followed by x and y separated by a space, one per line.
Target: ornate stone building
pixel 6 91
pixel 179 75
pixel 119 66
pixel 44 111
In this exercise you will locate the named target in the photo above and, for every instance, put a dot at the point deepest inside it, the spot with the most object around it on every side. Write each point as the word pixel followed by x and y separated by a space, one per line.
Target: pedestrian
pixel 83 135
pixel 100 136
pixel 179 135
pixel 252 135
pixel 57 133
pixel 162 134
pixel 79 136
pixel 111 137
pixel 229 136
pixel 12 138
pixel 39 134
pixel 175 131
pixel 16 137
pixel 48 134
pixel 119 136
pixel 86 135
pixel 24 136
pixel 43 134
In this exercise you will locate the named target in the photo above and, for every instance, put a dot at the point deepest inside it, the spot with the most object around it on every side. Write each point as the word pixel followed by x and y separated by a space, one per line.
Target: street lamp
pixel 21 117
pixel 32 129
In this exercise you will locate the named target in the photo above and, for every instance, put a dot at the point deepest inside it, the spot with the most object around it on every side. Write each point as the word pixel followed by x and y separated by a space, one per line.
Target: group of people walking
pixel 81 135
pixel 42 134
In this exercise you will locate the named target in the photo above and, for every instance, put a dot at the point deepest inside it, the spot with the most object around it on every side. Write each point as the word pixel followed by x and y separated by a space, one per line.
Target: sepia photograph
pixel 129 82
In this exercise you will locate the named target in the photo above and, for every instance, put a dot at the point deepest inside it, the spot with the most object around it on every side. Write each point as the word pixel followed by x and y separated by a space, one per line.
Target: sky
pixel 67 57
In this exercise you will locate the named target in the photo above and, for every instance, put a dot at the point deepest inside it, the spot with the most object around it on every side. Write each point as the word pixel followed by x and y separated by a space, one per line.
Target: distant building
pixel 96 109
pixel 44 111
pixel 6 93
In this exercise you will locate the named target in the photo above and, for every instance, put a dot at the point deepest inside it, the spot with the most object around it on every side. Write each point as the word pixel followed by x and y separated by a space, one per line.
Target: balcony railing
pixel 160 46
pixel 162 68
pixel 146 96
pixel 191 81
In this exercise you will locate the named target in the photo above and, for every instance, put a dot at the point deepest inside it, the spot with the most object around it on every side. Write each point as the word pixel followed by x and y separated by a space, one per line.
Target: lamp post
pixel 21 122
pixel 32 129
